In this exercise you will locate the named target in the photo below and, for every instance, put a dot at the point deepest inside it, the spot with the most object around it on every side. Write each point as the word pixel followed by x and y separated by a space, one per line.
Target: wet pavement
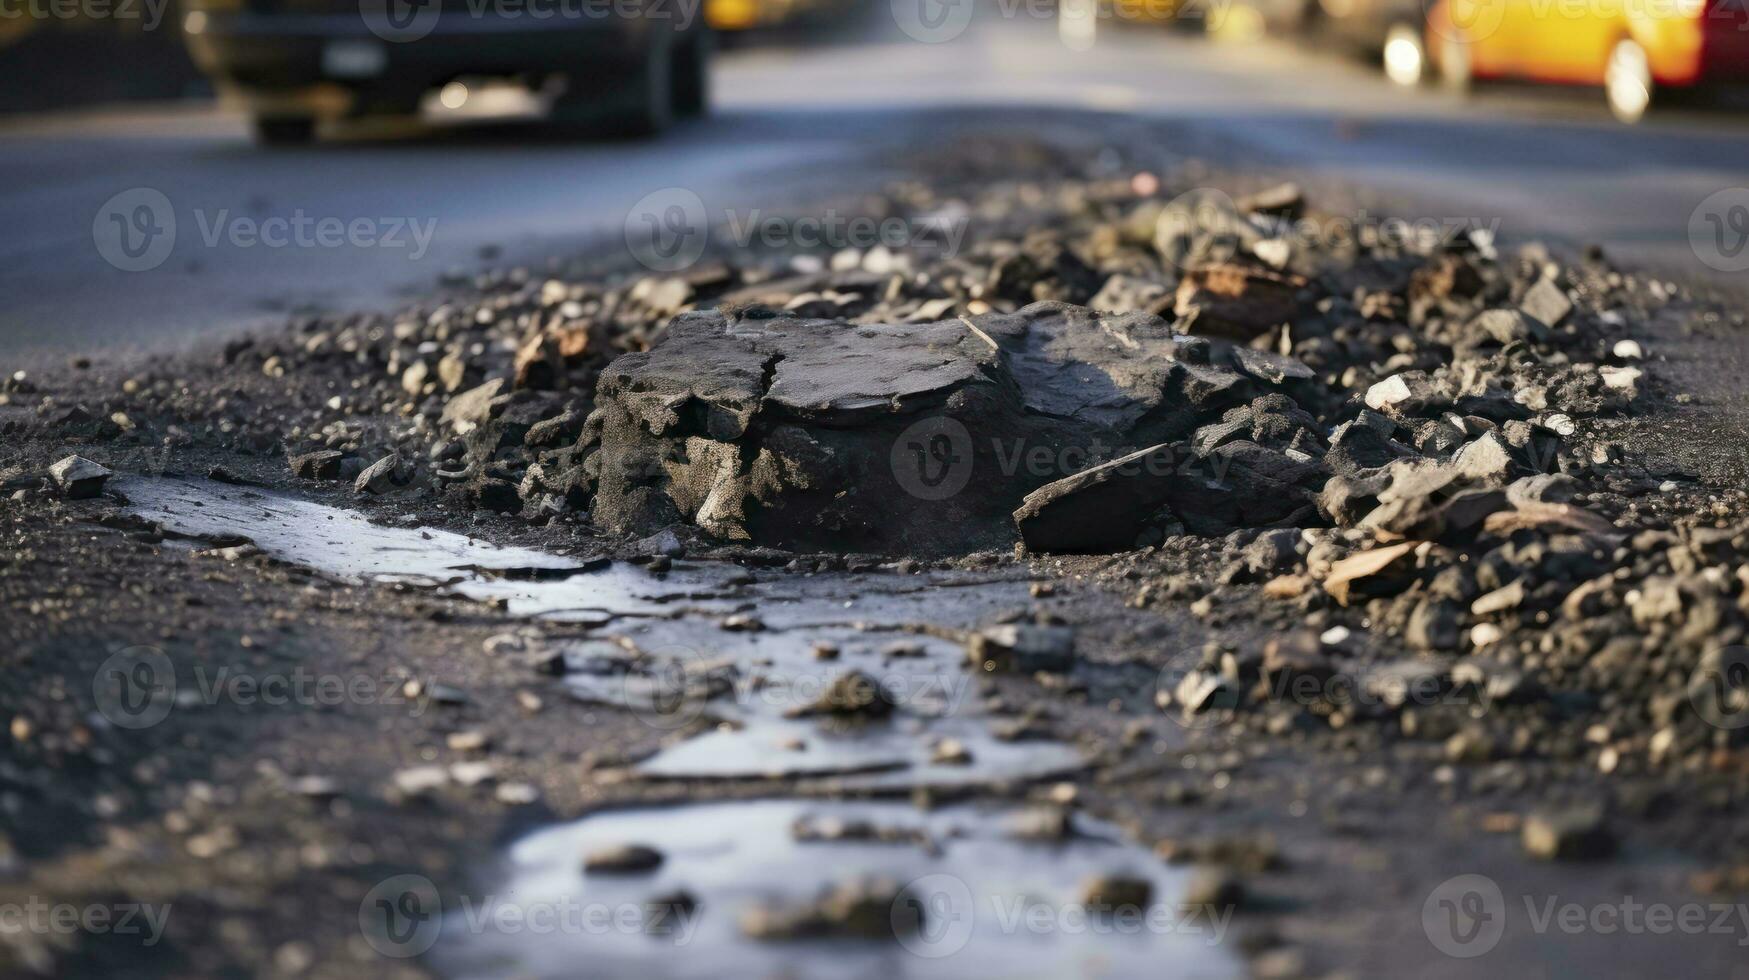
pixel 961 871
pixel 669 655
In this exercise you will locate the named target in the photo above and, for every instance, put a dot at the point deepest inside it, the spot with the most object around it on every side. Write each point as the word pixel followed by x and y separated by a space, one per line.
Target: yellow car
pixel 745 15
pixel 1633 48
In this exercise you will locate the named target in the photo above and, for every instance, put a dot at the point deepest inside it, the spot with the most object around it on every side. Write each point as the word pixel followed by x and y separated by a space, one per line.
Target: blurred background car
pixel 729 16
pixel 1142 11
pixel 81 59
pixel 1639 51
pixel 295 63
pixel 1247 20
pixel 1390 33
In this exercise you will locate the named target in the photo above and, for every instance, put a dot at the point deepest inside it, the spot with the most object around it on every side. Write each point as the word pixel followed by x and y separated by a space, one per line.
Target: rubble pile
pixel 1127 369
pixel 816 434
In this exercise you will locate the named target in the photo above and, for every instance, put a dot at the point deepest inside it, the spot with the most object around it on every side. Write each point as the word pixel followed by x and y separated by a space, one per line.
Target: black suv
pixel 633 64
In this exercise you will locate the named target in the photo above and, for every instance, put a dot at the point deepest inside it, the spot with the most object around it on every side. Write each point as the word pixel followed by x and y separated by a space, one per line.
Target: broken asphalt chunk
pixel 1024 648
pixel 79 478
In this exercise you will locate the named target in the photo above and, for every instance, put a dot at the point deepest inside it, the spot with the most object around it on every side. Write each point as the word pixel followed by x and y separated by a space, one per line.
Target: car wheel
pixel 1405 56
pixel 285 130
pixel 1627 81
pixel 692 76
pixel 649 98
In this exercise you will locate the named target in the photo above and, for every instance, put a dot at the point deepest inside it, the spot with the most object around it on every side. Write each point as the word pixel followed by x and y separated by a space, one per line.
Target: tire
pixel 1405 56
pixel 1628 86
pixel 649 96
pixel 692 76
pixel 642 105
pixel 285 130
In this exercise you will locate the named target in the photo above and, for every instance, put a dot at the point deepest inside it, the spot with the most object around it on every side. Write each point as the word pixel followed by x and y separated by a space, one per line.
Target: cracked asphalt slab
pixel 347 670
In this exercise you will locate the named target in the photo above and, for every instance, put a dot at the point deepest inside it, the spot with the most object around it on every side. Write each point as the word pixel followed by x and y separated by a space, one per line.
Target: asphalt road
pixel 405 204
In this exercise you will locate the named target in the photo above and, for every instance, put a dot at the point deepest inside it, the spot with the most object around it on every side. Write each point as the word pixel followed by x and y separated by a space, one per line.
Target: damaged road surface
pixel 1144 586
pixel 694 644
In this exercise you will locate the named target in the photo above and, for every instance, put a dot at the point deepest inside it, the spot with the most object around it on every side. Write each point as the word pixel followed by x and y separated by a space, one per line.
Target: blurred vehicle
pixel 747 15
pixel 1391 32
pixel 1141 11
pixel 294 63
pixel 1250 19
pixel 1638 50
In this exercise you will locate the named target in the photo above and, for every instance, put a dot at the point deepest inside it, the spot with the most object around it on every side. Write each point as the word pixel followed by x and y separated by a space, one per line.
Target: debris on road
pixel 79 478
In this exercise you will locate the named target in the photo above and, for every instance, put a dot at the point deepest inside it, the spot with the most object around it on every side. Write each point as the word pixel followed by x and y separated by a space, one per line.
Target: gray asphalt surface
pixel 791 117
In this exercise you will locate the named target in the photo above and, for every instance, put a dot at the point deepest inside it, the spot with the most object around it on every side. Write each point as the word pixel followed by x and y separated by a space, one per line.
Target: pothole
pixel 678 658
pixel 835 890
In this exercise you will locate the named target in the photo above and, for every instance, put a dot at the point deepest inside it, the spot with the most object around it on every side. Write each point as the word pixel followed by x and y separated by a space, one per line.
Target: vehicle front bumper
pixel 272 58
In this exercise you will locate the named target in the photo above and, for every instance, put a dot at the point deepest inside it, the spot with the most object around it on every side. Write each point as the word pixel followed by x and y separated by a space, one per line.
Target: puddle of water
pixel 771 674
pixel 991 905
pixel 346 545
pixel 674 619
